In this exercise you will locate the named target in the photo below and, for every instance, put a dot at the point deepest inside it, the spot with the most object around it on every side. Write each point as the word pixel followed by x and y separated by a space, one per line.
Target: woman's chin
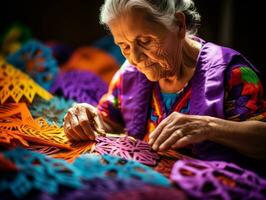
pixel 152 77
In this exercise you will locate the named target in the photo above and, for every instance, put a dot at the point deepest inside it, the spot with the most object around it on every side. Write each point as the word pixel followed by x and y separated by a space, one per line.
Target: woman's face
pixel 149 46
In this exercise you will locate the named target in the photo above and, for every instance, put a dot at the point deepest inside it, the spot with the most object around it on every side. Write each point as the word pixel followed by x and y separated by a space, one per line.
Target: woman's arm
pixel 247 137
pixel 243 102
pixel 179 130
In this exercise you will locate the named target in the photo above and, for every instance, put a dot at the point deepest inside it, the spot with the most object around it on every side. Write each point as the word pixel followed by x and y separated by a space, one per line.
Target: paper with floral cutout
pixel 217 180
pixel 128 148
pixel 15 85
pixel 53 110
pixel 36 59
pixel 17 118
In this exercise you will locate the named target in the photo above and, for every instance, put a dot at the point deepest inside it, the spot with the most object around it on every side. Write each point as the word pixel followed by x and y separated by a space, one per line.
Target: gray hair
pixel 162 11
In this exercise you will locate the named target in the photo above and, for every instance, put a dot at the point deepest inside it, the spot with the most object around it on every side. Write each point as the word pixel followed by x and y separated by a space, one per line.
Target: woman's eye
pixel 145 41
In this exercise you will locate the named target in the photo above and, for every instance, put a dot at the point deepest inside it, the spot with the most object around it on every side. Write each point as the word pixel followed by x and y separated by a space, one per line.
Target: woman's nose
pixel 137 54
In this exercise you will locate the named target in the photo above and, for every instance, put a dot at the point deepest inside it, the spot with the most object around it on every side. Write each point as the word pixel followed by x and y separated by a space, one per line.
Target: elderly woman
pixel 175 90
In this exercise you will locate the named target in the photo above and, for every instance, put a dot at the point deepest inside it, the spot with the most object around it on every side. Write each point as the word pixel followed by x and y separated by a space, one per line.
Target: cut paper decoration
pixel 37 171
pixel 165 166
pixel 46 134
pixel 15 85
pixel 79 86
pixel 111 166
pixel 217 180
pixel 17 118
pixel 36 59
pixel 127 148
pixel 94 174
pixel 53 111
pixel 78 149
pixel 48 150
pixel 167 161
pixel 13 116
pixel 11 138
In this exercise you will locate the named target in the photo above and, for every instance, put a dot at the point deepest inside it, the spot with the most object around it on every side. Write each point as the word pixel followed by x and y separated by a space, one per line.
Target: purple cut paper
pixel 217 180
pixel 83 87
pixel 127 148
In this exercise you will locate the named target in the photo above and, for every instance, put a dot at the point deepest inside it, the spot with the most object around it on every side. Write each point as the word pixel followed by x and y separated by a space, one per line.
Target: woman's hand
pixel 179 130
pixel 82 122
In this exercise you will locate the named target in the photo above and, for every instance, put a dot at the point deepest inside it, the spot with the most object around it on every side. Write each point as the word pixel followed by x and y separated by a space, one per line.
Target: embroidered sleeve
pixel 110 104
pixel 244 95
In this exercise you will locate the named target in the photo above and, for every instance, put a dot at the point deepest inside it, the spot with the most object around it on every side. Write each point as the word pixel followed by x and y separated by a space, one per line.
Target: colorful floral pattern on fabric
pixel 244 95
pixel 110 103
pixel 158 110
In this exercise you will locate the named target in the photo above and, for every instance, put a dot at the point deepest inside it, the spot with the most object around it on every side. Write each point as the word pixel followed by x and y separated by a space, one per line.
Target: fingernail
pixel 161 148
pixel 154 147
pixel 150 142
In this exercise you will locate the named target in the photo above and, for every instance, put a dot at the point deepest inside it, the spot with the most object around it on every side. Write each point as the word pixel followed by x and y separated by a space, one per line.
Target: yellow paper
pixel 14 85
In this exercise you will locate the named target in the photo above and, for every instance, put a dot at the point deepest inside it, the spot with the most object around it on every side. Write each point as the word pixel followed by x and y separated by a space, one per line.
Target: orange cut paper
pixel 9 138
pixel 17 118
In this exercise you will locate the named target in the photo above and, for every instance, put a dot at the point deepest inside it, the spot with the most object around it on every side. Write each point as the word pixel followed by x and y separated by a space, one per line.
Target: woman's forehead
pixel 134 24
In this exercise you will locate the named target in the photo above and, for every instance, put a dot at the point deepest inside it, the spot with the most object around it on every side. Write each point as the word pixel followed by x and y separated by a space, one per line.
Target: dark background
pixel 238 24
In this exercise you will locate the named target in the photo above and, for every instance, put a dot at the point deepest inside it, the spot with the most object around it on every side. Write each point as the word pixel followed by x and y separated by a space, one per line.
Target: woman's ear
pixel 180 19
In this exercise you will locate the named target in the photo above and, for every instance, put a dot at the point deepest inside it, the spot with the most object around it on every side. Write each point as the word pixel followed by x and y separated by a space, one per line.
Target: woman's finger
pixel 71 135
pixel 165 134
pixel 86 123
pixel 155 134
pixel 75 124
pixel 172 139
pixel 193 137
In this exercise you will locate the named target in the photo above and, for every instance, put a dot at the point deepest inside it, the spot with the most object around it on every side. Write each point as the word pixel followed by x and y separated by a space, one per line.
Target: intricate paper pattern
pixel 53 111
pixel 110 166
pixel 40 172
pixel 217 180
pixel 11 138
pixel 14 85
pixel 36 59
pixel 127 148
pixel 78 149
pixel 99 173
pixel 17 118
pixel 80 86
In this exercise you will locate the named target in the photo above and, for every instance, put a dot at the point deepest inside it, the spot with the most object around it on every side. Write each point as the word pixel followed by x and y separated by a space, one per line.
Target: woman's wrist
pixel 221 128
